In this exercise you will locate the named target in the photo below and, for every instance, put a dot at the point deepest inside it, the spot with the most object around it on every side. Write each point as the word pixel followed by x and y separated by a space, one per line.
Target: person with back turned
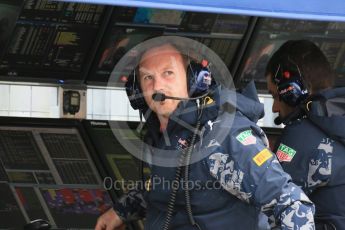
pixel 312 145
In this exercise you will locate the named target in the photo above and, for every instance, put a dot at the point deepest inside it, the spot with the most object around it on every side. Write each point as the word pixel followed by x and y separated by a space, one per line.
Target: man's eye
pixel 148 77
pixel 168 73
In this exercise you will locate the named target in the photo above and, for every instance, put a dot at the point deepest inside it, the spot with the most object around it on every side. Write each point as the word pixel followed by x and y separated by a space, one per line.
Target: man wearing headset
pixel 312 145
pixel 245 176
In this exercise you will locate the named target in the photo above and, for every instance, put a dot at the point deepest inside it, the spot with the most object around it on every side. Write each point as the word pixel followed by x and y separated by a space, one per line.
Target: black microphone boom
pixel 278 121
pixel 158 97
pixel 163 97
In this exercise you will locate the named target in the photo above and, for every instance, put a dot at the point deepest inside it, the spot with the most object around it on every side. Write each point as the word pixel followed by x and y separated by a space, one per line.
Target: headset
pixel 134 92
pixel 199 81
pixel 288 78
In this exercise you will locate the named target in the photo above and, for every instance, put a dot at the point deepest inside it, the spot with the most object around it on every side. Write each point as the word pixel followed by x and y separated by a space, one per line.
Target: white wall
pixel 28 101
pixel 268 119
pixel 102 104
pixel 109 104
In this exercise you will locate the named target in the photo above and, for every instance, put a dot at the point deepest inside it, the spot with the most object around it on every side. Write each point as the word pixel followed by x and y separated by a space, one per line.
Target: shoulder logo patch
pixel 285 153
pixel 246 138
pixel 262 157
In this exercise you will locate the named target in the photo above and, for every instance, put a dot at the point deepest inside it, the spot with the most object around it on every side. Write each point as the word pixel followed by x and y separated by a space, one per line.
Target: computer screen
pixel 119 163
pixel 271 33
pixel 117 42
pixel 10 212
pixel 9 11
pixel 52 41
pixel 48 172
pixel 153 16
pixel 129 26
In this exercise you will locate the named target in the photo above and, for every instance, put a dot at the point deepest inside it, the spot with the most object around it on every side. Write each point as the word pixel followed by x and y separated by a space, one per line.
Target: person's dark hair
pixel 315 69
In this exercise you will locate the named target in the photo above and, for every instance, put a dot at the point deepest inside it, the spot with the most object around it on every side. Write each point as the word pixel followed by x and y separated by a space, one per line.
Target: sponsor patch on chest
pixel 285 153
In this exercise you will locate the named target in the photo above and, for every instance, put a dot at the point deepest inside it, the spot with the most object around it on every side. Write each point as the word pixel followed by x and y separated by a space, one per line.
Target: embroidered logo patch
pixel 182 143
pixel 285 153
pixel 262 157
pixel 246 138
pixel 211 123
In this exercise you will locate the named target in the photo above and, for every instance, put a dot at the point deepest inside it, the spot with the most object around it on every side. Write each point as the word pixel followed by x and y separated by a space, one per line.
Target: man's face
pixel 162 69
pixel 278 106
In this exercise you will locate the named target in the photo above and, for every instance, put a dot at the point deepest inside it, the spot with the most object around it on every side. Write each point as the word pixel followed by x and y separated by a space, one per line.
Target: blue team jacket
pixel 238 176
pixel 312 153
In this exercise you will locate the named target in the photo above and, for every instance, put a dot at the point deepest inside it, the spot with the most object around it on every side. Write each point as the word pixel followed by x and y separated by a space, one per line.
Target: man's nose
pixel 158 84
pixel 275 106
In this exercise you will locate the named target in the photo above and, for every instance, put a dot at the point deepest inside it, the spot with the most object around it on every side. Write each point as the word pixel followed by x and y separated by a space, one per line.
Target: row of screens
pixel 64 41
pixel 53 171
pixel 59 174
pixel 57 41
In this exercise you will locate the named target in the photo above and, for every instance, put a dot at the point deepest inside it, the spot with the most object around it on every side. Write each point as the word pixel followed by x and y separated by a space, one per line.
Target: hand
pixel 110 221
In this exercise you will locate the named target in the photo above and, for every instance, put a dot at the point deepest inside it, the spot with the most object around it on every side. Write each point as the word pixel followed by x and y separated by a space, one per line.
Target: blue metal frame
pixel 321 10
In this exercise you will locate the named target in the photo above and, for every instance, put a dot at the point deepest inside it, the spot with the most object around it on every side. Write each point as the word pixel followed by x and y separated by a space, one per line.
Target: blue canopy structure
pixel 322 10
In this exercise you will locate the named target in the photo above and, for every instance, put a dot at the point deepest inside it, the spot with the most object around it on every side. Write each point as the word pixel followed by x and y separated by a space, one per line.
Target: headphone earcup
pixel 291 93
pixel 199 79
pixel 134 93
pixel 290 85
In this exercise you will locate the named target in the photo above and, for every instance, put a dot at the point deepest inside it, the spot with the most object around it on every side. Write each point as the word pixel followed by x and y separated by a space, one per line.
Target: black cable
pixel 172 199
pixel 184 160
pixel 186 176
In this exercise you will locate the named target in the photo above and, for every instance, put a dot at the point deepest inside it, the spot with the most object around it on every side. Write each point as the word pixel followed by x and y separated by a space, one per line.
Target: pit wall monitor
pixel 52 41
pixel 129 26
pixel 9 12
pixel 47 172
pixel 271 33
pixel 124 169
